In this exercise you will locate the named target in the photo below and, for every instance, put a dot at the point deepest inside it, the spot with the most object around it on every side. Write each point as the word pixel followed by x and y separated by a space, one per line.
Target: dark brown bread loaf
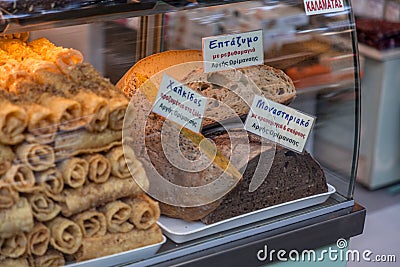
pixel 292 176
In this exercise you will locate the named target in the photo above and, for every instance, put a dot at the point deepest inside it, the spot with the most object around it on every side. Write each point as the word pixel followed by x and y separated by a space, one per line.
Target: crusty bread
pixel 151 65
pixel 236 89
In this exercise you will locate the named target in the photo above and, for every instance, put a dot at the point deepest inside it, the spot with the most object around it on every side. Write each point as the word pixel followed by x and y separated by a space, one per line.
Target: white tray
pixel 181 231
pixel 123 257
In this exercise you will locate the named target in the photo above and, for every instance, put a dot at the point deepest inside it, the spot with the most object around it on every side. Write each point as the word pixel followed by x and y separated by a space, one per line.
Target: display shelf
pixel 94 13
pixel 239 247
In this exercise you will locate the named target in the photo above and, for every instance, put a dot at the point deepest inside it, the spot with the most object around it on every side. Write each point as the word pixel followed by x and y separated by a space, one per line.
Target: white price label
pixel 233 51
pixel 314 7
pixel 180 104
pixel 285 126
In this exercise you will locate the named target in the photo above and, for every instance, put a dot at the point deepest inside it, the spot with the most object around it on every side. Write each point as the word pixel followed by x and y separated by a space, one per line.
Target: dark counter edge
pixel 313 233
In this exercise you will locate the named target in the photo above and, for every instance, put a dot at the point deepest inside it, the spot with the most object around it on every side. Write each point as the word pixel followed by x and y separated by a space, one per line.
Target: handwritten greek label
pixel 233 51
pixel 180 104
pixel 278 123
pixel 314 7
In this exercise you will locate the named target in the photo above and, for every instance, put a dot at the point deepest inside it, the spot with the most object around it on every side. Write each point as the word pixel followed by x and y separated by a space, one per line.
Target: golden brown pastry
pixel 92 223
pixel 82 141
pixel 13 121
pixel 38 240
pixel 95 110
pixel 52 182
pixel 52 258
pixel 36 156
pixel 145 211
pixel 21 178
pixel 117 214
pixel 99 168
pixel 6 158
pixel 14 246
pixel 67 112
pixel 43 208
pixel 93 195
pixel 62 57
pixel 16 219
pixel 42 124
pixel 66 236
pixel 118 106
pixel 109 244
pixel 119 168
pixel 8 195
pixel 18 262
pixel 74 171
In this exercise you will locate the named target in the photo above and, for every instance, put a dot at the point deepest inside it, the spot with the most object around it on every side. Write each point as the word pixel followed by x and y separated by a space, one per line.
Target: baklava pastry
pixel 67 112
pixel 66 236
pixel 92 223
pixel 145 211
pixel 117 214
pixel 14 246
pixel 18 218
pixel 52 258
pixel 43 208
pixel 42 124
pixel 74 171
pixel 99 168
pixel 95 110
pixel 119 167
pixel 38 240
pixel 37 157
pixel 13 122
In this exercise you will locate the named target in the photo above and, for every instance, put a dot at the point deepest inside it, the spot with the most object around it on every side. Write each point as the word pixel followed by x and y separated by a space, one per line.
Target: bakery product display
pixel 64 182
pixel 286 175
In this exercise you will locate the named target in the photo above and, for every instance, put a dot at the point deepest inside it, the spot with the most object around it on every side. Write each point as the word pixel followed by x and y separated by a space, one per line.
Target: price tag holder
pixel 278 123
pixel 180 104
pixel 233 51
pixel 315 7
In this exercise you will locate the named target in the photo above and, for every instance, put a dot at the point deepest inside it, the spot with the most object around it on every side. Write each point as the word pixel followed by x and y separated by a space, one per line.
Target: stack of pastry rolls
pixel 66 192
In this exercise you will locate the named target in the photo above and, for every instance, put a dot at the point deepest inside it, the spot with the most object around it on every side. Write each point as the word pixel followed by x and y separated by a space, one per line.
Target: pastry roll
pixel 92 223
pixel 13 121
pixel 6 158
pixel 36 156
pixel 38 240
pixel 14 246
pixel 66 236
pixel 67 112
pixel 18 262
pixel 109 244
pixel 145 211
pixel 52 182
pixel 99 168
pixel 52 258
pixel 21 178
pixel 93 195
pixel 78 142
pixel 74 171
pixel 8 195
pixel 16 219
pixel 95 109
pixel 43 208
pixel 119 167
pixel 118 106
pixel 42 124
pixel 117 215
pixel 62 57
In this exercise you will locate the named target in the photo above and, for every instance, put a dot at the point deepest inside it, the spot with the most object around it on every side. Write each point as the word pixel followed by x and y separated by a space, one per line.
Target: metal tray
pixel 181 231
pixel 123 257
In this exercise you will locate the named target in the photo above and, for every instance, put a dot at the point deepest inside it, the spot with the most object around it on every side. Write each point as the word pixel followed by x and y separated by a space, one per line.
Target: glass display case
pixel 87 62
